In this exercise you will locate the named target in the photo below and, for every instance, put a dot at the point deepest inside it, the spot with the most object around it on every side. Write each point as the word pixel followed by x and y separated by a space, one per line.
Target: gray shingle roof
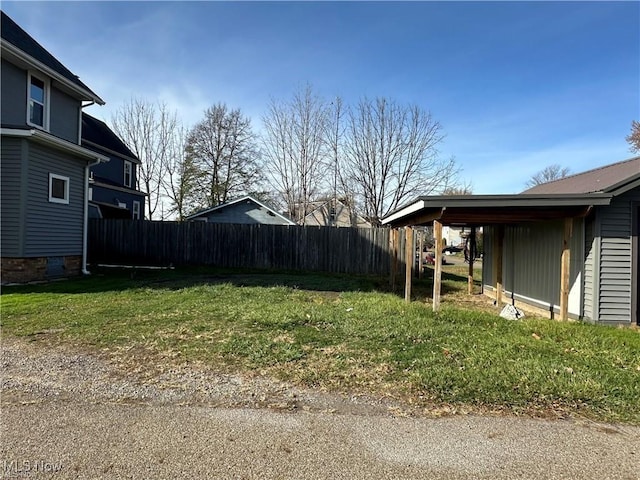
pixel 604 179
pixel 98 133
pixel 11 32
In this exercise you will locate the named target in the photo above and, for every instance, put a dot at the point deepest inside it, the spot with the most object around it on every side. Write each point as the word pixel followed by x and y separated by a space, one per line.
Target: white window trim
pixel 124 179
pixel 47 96
pixel 136 210
pixel 53 199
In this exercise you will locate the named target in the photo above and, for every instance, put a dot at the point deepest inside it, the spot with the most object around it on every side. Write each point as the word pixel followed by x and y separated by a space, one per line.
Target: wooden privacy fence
pixel 307 248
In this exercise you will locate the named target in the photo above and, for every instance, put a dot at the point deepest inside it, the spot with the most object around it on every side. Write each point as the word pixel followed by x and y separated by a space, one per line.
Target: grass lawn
pixel 342 333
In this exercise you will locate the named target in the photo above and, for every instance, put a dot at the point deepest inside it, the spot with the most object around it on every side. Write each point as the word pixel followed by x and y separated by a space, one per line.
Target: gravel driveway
pixel 67 414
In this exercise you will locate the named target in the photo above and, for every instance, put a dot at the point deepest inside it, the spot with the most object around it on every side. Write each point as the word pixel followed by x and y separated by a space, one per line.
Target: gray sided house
pixel 569 247
pixel 44 167
pixel 112 192
pixel 245 210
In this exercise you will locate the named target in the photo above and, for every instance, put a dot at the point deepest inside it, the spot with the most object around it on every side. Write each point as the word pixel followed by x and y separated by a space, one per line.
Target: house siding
pixel 64 115
pixel 64 110
pixel 113 197
pixel 344 217
pixel 53 229
pixel 113 169
pixel 615 265
pixel 13 86
pixel 10 195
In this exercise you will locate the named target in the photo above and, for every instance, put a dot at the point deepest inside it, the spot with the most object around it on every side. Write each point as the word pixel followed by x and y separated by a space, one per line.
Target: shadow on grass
pixel 452 283
pixel 115 279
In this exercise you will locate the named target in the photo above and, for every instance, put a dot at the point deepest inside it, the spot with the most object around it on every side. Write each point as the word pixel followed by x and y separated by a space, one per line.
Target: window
pixel 58 188
pixel 127 174
pixel 38 99
pixel 136 210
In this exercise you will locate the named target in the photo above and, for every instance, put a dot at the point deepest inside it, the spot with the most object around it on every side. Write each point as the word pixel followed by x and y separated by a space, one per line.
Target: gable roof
pixel 568 197
pixel 608 179
pixel 37 56
pixel 96 133
pixel 233 202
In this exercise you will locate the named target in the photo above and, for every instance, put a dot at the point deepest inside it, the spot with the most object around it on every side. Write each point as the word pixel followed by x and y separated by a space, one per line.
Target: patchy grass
pixel 342 333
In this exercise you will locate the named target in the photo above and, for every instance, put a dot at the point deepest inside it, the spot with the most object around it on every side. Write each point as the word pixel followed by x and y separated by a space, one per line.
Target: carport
pixel 498 211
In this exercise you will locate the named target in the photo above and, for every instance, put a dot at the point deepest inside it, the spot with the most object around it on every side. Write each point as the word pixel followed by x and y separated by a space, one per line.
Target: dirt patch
pixel 35 372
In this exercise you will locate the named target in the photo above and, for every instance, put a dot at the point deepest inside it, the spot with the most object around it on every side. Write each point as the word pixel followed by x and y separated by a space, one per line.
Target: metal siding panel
pixel 64 114
pixel 53 229
pixel 10 198
pixel 487 256
pixel 532 265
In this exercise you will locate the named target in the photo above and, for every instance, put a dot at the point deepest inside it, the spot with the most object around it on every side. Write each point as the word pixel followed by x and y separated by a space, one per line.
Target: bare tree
pixel 634 137
pixel 391 155
pixel 465 189
pixel 147 129
pixel 295 149
pixel 180 177
pixel 548 174
pixel 222 150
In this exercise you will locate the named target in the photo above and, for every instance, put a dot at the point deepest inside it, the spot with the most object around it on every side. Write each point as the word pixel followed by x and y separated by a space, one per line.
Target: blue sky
pixel 517 86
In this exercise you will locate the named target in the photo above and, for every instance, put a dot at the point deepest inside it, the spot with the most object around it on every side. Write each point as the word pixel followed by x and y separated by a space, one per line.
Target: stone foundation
pixel 23 270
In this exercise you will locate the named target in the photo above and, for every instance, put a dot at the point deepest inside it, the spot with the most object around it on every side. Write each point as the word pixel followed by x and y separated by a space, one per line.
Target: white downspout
pixel 86 217
pixel 86 193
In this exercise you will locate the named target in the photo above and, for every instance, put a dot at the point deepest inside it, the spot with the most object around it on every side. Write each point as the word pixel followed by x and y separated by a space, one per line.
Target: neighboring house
pixel 453 236
pixel 242 210
pixel 569 247
pixel 333 213
pixel 45 169
pixel 112 185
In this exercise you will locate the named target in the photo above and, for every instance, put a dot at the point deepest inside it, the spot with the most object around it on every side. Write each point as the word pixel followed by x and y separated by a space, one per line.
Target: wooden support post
pixel 437 268
pixel 409 253
pixel 498 242
pixel 420 255
pixel 472 252
pixel 565 269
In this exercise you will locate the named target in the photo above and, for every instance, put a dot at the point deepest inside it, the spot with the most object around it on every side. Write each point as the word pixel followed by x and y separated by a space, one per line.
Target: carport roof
pixel 470 210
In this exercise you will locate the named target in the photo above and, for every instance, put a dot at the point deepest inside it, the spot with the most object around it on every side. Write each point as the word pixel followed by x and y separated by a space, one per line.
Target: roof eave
pixel 479 202
pixel 624 186
pixel 85 94
pixel 53 141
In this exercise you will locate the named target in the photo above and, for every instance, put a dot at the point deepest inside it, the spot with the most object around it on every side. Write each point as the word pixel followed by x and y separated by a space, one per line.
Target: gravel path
pixel 78 415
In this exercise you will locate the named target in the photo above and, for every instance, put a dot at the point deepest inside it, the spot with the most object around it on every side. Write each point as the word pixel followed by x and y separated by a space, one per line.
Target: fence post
pixel 408 232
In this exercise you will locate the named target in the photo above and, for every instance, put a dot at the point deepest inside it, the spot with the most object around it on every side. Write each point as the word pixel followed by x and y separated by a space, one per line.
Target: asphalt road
pixel 65 414
pixel 138 441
